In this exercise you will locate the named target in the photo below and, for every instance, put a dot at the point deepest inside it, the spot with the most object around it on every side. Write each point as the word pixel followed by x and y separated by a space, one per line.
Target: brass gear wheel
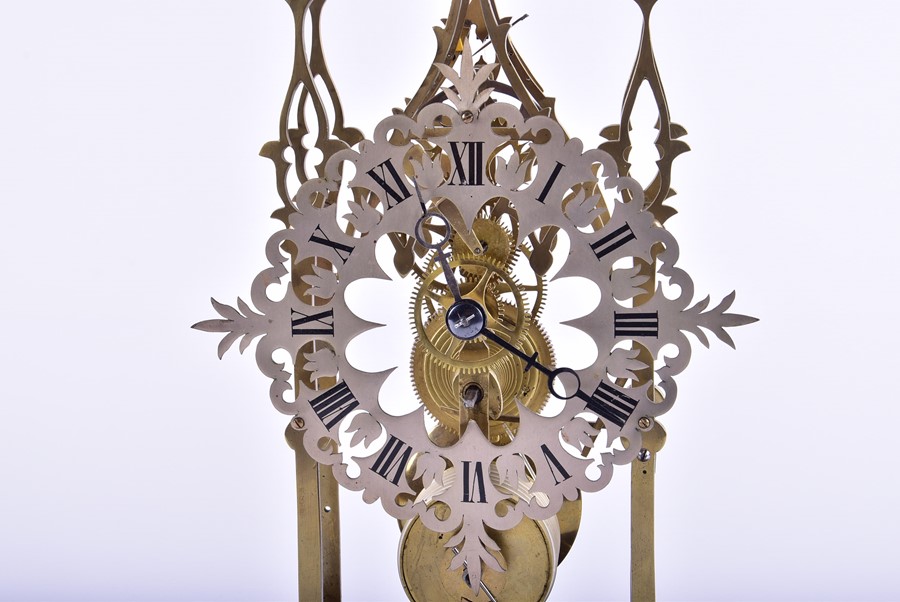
pixel 443 367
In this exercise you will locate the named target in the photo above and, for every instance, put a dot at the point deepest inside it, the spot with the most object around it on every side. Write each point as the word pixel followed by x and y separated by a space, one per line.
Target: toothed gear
pixel 496 242
pixel 442 365
pixel 477 290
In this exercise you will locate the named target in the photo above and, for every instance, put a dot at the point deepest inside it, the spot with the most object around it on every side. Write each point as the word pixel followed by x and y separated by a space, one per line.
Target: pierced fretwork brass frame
pixel 318 512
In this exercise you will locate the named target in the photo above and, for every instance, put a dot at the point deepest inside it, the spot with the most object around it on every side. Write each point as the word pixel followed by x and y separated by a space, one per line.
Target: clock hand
pixel 531 361
pixel 438 248
pixel 454 219
pixel 465 318
pixel 419 194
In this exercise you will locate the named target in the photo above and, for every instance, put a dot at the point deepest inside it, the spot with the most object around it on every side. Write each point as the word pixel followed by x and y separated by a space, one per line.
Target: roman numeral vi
pixel 473 483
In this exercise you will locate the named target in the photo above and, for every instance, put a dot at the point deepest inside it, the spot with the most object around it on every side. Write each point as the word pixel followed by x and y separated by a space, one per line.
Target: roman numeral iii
pixel 636 324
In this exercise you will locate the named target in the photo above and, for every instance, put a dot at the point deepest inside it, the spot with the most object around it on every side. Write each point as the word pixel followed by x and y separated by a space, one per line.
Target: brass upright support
pixel 318 526
pixel 643 469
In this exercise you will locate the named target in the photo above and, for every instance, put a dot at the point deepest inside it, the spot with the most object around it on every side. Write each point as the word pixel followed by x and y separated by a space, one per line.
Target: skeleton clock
pixel 467 206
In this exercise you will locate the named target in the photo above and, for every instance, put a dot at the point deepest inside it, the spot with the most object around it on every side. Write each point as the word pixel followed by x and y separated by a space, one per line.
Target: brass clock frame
pixel 311 85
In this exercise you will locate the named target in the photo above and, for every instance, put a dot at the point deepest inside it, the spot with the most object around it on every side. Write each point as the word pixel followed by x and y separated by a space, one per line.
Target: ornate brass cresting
pixel 498 391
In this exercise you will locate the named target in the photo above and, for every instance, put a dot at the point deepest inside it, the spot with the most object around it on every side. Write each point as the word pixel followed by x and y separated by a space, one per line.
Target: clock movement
pixel 470 202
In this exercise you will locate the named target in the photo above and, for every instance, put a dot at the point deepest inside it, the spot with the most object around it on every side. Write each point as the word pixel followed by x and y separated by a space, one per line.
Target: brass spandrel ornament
pixel 475 188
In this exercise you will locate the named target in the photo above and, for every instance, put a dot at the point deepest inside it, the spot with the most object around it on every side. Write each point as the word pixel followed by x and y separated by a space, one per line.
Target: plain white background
pixel 136 466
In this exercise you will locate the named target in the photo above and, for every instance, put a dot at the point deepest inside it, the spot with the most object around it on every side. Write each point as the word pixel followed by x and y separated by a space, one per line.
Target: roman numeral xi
pixel 390 181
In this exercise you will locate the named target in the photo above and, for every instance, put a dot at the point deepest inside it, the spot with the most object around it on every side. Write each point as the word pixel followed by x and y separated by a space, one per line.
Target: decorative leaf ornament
pixel 467 94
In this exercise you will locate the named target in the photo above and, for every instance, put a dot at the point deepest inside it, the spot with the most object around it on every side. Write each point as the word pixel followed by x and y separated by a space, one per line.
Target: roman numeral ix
pixel 320 323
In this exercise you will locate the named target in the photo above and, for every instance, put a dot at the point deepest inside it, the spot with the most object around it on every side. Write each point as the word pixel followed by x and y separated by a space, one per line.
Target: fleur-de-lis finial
pixel 466 94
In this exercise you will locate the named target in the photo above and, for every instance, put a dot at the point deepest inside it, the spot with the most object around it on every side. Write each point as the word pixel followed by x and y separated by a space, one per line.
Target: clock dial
pixel 476 202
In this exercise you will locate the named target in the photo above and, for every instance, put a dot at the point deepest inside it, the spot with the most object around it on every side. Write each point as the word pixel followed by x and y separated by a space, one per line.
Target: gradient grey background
pixel 136 466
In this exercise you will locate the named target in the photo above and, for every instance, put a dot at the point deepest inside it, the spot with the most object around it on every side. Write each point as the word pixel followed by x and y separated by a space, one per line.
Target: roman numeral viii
pixel 468 164
pixel 390 181
pixel 612 241
pixel 320 323
pixel 392 460
pixel 612 405
pixel 335 403
pixel 473 483
pixel 636 324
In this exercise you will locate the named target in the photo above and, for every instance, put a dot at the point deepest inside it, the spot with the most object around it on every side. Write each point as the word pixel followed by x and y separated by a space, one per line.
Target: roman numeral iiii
pixel 335 403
